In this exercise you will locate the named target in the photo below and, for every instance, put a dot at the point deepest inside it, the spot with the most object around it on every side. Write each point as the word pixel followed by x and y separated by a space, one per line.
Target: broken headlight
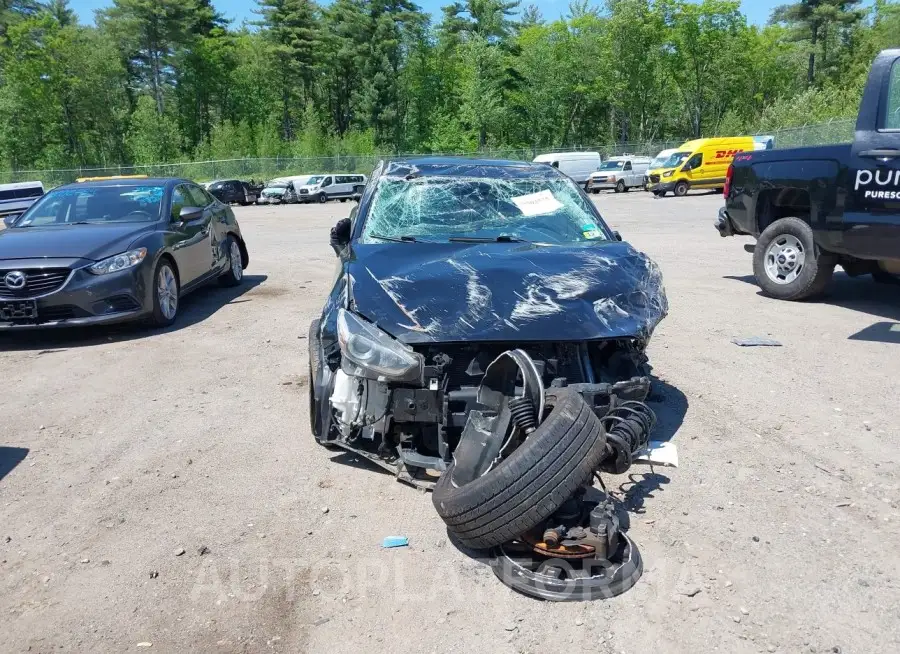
pixel 375 353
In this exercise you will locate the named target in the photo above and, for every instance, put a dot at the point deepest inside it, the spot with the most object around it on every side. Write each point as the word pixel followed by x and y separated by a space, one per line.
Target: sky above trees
pixel 756 11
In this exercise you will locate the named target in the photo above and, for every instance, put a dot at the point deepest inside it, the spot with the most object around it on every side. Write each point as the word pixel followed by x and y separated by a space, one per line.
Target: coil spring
pixel 523 414
pixel 628 426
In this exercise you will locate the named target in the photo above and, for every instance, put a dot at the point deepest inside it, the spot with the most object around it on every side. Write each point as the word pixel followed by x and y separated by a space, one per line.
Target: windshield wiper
pixel 487 239
pixel 395 239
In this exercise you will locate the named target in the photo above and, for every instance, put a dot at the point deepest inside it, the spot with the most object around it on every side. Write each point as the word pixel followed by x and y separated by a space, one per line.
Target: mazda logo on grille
pixel 15 280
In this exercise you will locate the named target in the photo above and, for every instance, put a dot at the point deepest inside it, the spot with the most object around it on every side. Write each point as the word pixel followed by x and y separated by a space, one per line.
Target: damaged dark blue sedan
pixel 447 264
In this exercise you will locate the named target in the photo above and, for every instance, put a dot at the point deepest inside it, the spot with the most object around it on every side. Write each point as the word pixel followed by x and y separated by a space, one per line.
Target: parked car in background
pixel 700 164
pixel 232 191
pixel 17 197
pixel 657 162
pixel 322 188
pixel 115 251
pixel 278 191
pixel 813 208
pixel 619 174
pixel 577 165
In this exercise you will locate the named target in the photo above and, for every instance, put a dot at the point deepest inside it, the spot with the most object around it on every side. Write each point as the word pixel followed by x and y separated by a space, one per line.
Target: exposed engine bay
pixel 413 428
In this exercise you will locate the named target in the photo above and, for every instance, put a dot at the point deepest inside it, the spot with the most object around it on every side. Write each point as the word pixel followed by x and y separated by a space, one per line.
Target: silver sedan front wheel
pixel 234 254
pixel 167 292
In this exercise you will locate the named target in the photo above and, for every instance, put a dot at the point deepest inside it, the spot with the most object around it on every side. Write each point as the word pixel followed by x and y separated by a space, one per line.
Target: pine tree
pixel 812 20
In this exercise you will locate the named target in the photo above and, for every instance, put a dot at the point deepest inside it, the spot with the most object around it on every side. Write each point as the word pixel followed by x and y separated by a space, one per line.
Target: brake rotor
pixel 561 551
pixel 558 579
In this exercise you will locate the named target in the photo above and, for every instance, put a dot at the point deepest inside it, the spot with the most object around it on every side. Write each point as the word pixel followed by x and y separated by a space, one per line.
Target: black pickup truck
pixel 811 209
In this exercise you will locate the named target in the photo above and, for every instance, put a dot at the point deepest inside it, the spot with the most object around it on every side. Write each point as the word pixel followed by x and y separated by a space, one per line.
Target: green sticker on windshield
pixel 592 233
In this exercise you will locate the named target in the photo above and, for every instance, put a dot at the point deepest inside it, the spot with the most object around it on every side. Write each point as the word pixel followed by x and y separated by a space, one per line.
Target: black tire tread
pixel 530 484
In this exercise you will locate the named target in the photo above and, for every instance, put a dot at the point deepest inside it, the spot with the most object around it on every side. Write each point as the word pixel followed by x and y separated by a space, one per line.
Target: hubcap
pixel 784 259
pixel 235 255
pixel 167 292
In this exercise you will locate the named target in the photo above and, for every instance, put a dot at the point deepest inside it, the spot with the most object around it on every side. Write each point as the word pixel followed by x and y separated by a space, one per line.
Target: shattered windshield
pixel 675 160
pixel 612 165
pixel 314 180
pixel 436 208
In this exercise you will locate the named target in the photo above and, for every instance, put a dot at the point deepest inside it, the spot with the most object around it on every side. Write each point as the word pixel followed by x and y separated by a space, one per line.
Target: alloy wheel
pixel 167 292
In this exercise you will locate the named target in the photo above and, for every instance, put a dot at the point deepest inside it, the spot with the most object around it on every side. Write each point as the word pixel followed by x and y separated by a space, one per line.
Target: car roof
pixel 143 181
pixel 466 167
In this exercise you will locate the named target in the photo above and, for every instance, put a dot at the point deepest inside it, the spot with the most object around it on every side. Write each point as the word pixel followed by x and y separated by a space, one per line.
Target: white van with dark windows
pixel 322 188
pixel 619 174
pixel 16 198
pixel 577 165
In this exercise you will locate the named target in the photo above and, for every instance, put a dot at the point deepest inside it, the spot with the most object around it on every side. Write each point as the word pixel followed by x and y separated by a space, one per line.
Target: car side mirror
pixel 617 236
pixel 187 214
pixel 340 236
pixel 10 219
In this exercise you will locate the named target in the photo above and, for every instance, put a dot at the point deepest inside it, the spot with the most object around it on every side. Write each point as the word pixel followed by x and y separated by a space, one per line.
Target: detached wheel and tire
pixel 166 295
pixel 787 263
pixel 620 187
pixel 528 486
pixel 681 189
pixel 235 273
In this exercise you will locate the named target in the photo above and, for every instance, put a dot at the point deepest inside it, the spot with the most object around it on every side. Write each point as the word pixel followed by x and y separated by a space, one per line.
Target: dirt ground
pixel 160 491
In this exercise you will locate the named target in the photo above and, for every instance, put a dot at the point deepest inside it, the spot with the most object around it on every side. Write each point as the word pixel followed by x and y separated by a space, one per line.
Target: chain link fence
pixel 265 168
pixel 834 131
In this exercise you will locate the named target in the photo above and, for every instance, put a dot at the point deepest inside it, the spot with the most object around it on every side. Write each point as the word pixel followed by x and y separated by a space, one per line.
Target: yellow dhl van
pixel 702 163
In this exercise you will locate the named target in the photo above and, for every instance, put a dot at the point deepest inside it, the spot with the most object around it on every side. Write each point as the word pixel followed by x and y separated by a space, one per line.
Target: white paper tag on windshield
pixel 535 204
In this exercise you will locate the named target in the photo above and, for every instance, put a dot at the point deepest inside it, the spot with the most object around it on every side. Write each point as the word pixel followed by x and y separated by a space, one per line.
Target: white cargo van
pixel 321 188
pixel 16 198
pixel 619 174
pixel 577 165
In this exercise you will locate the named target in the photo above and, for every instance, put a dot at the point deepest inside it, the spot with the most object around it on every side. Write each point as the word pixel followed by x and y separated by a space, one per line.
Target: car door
pixel 693 169
pixel 628 171
pixel 218 225
pixel 327 186
pixel 231 192
pixel 872 211
pixel 191 249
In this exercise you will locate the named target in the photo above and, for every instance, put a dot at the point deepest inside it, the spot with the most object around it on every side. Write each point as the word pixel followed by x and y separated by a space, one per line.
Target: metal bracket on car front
pixel 489 427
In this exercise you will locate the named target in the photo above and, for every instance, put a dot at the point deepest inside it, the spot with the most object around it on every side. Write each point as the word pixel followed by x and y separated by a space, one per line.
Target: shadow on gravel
pixel 354 460
pixel 195 308
pixel 860 294
pixel 670 406
pixel 879 332
pixel 10 457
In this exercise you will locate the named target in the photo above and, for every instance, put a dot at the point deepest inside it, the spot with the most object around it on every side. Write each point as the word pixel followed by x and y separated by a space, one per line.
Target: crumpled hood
pixel 444 292
pixel 93 242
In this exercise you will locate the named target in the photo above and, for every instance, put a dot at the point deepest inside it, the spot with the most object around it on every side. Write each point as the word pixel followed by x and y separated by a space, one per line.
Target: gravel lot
pixel 778 532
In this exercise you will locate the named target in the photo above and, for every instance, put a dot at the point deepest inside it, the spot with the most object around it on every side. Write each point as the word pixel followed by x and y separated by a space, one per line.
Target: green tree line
pixel 156 81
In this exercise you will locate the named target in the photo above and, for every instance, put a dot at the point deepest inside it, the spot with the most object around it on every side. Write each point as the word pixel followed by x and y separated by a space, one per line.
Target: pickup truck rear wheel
pixel 787 263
